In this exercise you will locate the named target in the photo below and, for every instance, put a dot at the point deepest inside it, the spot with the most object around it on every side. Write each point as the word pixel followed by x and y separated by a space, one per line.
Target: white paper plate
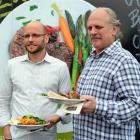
pixel 29 127
pixel 65 101
pixel 14 122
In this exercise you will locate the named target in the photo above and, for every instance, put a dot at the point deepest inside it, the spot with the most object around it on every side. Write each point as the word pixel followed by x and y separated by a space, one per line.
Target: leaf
pixel 33 7
pixel 86 18
pixel 52 12
pixel 21 17
pixel 25 23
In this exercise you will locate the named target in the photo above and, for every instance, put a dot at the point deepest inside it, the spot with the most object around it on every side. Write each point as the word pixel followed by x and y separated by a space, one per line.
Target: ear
pixel 114 31
pixel 46 39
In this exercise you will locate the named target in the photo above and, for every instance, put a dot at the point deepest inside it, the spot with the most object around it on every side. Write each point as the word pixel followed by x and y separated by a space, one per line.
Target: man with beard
pixel 109 83
pixel 27 77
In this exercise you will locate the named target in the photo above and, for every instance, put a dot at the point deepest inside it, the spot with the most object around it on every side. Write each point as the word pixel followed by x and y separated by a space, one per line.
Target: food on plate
pixel 29 120
pixel 70 95
pixel 54 95
pixel 73 95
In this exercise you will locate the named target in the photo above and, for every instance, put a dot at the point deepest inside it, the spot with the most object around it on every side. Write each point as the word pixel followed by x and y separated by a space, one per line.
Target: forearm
pixel 65 118
pixel 7 133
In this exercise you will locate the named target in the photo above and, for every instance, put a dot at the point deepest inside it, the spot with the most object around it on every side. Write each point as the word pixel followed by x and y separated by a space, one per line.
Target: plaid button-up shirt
pixel 113 78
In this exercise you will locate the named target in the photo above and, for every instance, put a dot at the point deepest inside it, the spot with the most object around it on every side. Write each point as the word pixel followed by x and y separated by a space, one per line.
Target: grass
pixel 65 136
pixel 60 136
pixel 1 132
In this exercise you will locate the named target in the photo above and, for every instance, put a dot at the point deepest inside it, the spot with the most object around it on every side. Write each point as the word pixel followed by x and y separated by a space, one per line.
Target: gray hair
pixel 113 20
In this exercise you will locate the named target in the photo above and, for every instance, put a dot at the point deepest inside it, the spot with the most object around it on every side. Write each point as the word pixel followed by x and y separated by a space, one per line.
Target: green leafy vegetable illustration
pixel 33 7
pixel 21 17
pixel 26 22
pixel 52 12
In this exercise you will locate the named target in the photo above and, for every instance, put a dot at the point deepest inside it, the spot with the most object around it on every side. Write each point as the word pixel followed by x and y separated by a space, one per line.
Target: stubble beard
pixel 37 50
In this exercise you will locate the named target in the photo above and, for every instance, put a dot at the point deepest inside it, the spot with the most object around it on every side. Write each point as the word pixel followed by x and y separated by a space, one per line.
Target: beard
pixel 34 49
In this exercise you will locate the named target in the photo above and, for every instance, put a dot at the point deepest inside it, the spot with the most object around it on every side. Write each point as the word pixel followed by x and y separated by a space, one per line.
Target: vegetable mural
pixel 64 28
pixel 76 39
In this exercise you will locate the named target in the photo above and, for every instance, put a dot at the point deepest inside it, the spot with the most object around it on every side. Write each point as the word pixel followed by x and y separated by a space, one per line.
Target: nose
pixel 30 38
pixel 92 31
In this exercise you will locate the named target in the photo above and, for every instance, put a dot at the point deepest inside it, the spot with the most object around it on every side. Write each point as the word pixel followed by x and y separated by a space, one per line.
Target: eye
pixel 89 28
pixel 36 35
pixel 26 36
pixel 98 27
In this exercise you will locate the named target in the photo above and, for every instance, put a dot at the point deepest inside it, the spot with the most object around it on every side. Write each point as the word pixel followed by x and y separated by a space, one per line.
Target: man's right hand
pixel 6 132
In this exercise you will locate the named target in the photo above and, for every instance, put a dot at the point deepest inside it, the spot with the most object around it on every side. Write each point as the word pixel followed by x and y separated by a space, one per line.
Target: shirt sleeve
pixel 127 87
pixel 64 87
pixel 65 117
pixel 64 82
pixel 5 98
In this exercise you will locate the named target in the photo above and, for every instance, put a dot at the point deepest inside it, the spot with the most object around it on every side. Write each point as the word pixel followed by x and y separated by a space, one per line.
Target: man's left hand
pixel 53 120
pixel 89 105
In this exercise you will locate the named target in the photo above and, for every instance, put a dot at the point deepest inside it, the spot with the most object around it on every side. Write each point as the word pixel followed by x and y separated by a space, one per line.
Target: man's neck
pixel 38 57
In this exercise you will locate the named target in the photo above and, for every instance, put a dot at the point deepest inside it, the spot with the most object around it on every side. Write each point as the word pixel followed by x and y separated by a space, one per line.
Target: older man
pixel 109 83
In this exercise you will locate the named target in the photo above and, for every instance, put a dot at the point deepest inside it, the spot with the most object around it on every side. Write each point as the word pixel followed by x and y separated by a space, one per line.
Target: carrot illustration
pixel 64 28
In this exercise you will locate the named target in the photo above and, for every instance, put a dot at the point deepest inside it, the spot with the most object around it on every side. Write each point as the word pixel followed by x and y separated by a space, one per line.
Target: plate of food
pixel 29 122
pixel 62 98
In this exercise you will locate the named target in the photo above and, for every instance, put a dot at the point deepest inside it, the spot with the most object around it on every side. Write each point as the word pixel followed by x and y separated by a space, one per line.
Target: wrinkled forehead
pixel 99 13
pixel 98 16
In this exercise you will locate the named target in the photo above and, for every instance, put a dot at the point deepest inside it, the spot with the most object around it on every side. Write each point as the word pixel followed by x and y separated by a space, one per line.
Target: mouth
pixel 31 46
pixel 93 38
